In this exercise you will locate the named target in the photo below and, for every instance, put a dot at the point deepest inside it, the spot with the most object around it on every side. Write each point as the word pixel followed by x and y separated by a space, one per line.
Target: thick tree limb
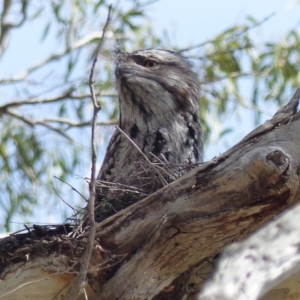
pixel 249 269
pixel 142 250
pixel 191 219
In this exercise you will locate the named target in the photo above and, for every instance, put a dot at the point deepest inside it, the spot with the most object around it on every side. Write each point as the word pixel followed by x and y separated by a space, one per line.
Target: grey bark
pixel 141 251
pixel 247 270
pixel 193 218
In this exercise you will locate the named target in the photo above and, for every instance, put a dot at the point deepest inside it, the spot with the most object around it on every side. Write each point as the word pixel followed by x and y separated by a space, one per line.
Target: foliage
pixel 46 110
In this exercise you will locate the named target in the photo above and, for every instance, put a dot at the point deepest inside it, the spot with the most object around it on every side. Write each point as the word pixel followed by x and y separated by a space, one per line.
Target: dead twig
pixel 77 45
pixel 163 181
pixel 247 28
pixel 75 210
pixel 66 95
pixel 5 27
pixel 71 187
pixel 72 124
pixel 81 279
pixel 32 123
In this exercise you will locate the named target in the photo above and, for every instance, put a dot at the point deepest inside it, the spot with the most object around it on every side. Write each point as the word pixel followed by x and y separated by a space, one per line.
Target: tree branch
pixel 77 45
pixel 226 198
pixel 33 123
pixel 230 75
pixel 247 270
pixel 72 124
pixel 5 27
pixel 181 226
pixel 66 95
pixel 84 266
pixel 234 36
pixel 238 101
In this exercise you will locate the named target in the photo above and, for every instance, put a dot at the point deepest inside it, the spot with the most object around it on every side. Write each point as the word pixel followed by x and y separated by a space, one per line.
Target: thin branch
pixel 165 164
pixel 70 206
pixel 67 95
pixel 77 45
pixel 33 123
pixel 241 102
pixel 247 28
pixel 120 185
pixel 145 157
pixel 3 26
pixel 72 124
pixel 218 53
pixel 72 187
pixel 6 27
pixel 81 280
pixel 103 94
pixel 231 75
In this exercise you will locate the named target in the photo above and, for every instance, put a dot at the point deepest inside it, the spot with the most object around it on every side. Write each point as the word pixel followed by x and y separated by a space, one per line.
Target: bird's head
pixel 150 80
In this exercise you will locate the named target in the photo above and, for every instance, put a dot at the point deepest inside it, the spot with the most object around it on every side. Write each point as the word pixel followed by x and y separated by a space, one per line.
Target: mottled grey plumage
pixel 159 105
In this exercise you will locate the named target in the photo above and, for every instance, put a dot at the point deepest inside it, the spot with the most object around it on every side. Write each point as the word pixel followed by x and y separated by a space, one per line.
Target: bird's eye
pixel 150 63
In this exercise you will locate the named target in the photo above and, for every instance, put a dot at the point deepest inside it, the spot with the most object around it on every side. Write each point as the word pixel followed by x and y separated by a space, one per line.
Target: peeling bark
pixel 248 270
pixel 141 251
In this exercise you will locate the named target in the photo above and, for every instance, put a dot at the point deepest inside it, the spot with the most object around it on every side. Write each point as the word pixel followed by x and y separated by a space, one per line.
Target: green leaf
pixel 46 31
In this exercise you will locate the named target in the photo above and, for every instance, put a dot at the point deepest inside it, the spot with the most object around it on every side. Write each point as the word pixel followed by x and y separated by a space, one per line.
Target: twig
pixel 81 280
pixel 145 157
pixel 63 199
pixel 247 28
pixel 32 123
pixel 164 164
pixel 108 184
pixel 72 124
pixel 66 95
pixel 5 27
pixel 77 45
pixel 218 53
pixel 231 75
pixel 71 187
pixel 244 103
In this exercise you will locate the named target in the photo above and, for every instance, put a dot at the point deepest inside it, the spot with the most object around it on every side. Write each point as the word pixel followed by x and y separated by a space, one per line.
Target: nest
pixel 112 197
pixel 148 177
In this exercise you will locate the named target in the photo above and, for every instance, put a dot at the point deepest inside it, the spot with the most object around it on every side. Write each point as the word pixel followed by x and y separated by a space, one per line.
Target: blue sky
pixel 197 21
pixel 188 22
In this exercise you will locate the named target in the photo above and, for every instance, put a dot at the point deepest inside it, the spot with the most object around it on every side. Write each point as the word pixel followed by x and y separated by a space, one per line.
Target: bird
pixel 159 136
